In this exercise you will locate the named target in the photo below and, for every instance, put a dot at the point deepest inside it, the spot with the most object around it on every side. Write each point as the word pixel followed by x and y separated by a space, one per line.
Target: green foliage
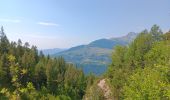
pixel 137 49
pixel 40 73
pixel 156 33
pixel 166 36
pixel 74 86
pixel 138 71
pixel 152 82
pixel 141 70
pixel 55 74
pixel 159 54
pixel 117 72
pixel 96 54
pixel 27 75
pixel 94 93
pixel 4 42
pixel 148 83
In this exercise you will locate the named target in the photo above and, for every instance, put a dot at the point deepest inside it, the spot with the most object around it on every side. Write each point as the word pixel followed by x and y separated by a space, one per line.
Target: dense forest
pixel 26 74
pixel 139 71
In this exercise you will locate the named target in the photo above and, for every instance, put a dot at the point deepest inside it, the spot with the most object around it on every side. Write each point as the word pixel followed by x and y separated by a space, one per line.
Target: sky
pixel 68 23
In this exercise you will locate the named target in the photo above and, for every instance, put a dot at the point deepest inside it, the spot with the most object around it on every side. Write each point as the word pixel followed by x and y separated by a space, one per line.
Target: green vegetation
pixel 27 75
pixel 139 71
pixel 95 56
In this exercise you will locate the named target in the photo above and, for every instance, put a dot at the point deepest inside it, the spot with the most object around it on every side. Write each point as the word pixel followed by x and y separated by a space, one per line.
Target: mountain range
pixel 95 56
pixel 52 51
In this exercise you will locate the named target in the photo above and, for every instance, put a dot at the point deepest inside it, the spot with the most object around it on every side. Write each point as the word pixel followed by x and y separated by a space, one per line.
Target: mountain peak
pixel 126 38
pixel 96 54
pixel 131 34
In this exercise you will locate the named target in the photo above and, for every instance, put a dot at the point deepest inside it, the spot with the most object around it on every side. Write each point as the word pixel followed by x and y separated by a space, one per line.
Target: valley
pixel 95 56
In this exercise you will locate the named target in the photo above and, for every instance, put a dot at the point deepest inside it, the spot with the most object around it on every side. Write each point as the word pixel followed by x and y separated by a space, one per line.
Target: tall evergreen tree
pixel 156 33
pixel 4 42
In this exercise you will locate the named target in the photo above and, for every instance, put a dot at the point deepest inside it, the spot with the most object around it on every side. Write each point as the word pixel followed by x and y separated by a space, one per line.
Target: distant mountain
pixel 106 43
pixel 52 51
pixel 127 38
pixel 95 56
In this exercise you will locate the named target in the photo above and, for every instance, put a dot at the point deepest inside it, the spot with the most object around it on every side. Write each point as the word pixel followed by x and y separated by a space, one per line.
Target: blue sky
pixel 67 23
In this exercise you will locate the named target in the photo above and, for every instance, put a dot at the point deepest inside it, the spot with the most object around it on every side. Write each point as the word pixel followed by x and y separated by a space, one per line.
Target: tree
pixel 4 42
pixel 26 74
pixel 159 54
pixel 137 49
pixel 53 73
pixel 4 67
pixel 76 84
pixel 139 54
pixel 26 45
pixel 148 84
pixel 40 74
pixel 2 75
pixel 118 71
pixel 156 33
pixel 167 36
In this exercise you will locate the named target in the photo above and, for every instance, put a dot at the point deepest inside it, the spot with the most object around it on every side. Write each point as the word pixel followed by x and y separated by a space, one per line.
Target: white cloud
pixel 47 24
pixel 10 20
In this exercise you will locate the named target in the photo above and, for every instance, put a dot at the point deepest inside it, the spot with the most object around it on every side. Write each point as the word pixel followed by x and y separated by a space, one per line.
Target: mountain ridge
pixel 52 51
pixel 97 53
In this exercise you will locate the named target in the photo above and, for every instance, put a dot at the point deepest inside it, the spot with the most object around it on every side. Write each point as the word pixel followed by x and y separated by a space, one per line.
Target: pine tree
pixel 4 42
pixel 156 33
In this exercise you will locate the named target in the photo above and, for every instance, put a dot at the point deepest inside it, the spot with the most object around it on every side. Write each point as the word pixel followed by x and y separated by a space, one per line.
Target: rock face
pixel 105 89
pixel 100 90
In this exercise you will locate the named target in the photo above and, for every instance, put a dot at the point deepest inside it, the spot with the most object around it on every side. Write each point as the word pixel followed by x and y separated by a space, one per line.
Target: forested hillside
pixel 27 75
pixel 139 71
pixel 95 56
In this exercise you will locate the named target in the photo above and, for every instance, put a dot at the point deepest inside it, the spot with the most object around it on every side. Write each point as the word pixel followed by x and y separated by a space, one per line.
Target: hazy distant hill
pixel 127 38
pixel 96 55
pixel 52 51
